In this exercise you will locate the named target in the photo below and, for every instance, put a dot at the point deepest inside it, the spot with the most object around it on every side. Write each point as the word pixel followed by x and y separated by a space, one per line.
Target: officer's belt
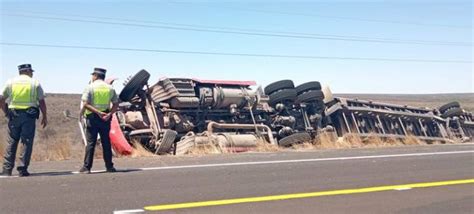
pixel 31 111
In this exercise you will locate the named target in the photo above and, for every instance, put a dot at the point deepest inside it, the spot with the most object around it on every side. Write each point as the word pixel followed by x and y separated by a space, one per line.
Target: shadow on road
pixel 66 173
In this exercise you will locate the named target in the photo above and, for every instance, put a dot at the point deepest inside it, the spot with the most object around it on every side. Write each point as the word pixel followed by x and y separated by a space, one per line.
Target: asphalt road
pixel 152 182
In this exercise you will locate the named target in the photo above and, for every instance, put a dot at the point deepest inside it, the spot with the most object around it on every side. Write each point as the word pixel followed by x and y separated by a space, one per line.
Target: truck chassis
pixel 176 114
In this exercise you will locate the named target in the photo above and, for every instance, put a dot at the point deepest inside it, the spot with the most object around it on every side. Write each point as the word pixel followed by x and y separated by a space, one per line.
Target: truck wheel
pixel 282 96
pixel 277 86
pixel 134 85
pixel 446 107
pixel 166 142
pixel 296 138
pixel 318 107
pixel 310 96
pixel 452 112
pixel 309 86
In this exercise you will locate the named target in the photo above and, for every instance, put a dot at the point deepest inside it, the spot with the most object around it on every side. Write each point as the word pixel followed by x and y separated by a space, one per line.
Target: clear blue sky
pixel 67 70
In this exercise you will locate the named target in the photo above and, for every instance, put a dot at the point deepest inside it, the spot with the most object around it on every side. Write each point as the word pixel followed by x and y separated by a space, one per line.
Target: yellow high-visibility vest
pixel 101 96
pixel 23 93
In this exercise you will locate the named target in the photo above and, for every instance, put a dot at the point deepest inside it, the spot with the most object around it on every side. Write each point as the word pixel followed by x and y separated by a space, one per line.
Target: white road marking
pixel 457 144
pixel 304 160
pixel 403 189
pixel 284 161
pixel 129 211
pixel 13 176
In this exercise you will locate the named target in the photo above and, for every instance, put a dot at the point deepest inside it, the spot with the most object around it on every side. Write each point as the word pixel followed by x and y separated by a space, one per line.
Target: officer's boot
pixel 6 172
pixel 23 172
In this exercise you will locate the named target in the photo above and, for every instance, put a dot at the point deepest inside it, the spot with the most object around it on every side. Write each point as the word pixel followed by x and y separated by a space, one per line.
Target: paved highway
pixel 415 179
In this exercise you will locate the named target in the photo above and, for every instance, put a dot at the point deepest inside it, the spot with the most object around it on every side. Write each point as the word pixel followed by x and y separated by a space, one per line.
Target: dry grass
pixel 2 149
pixel 303 146
pixel 204 149
pixel 213 148
pixel 353 141
pixel 323 141
pixel 411 140
pixel 394 142
pixel 435 143
pixel 373 141
pixel 264 146
pixel 140 151
pixel 54 150
pixel 328 141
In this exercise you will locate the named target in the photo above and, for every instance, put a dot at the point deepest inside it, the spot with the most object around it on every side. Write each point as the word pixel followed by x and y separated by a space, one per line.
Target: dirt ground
pixel 61 139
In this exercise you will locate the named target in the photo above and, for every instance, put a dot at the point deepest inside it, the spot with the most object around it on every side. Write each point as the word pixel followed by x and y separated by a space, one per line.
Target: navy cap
pixel 99 71
pixel 25 67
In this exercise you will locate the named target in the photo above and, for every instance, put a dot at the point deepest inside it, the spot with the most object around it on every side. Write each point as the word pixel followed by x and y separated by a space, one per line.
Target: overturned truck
pixel 176 114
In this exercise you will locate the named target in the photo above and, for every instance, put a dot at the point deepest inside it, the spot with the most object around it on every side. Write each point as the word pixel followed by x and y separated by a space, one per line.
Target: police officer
pixel 24 95
pixel 100 103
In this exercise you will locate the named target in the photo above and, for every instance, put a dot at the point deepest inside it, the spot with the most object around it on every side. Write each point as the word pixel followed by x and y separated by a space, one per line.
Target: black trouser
pixel 21 126
pixel 96 126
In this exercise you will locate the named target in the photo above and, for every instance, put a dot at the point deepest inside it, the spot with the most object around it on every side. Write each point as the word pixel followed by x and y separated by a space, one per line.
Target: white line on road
pixel 457 144
pixel 288 161
pixel 129 211
pixel 305 160
pixel 403 189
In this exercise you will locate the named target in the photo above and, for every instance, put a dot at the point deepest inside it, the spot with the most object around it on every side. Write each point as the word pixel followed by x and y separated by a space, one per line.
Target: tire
pixel 282 96
pixel 134 85
pixel 296 138
pixel 309 86
pixel 319 106
pixel 453 112
pixel 167 142
pixel 277 86
pixel 310 96
pixel 446 107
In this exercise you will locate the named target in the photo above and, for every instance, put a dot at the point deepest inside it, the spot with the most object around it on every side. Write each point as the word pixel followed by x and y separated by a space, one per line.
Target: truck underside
pixel 176 114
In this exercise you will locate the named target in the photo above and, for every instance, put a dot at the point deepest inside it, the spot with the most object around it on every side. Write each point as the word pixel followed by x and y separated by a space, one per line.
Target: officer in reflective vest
pixel 20 100
pixel 100 103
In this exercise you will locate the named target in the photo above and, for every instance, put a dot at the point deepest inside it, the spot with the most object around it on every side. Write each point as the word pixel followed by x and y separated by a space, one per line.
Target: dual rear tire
pixel 282 91
pixel 285 91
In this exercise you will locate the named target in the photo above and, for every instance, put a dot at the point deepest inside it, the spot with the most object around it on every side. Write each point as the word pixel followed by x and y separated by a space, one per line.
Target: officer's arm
pixel 3 97
pixel 114 108
pixel 114 100
pixel 44 112
pixel 42 105
pixel 41 101
pixel 92 109
pixel 3 104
